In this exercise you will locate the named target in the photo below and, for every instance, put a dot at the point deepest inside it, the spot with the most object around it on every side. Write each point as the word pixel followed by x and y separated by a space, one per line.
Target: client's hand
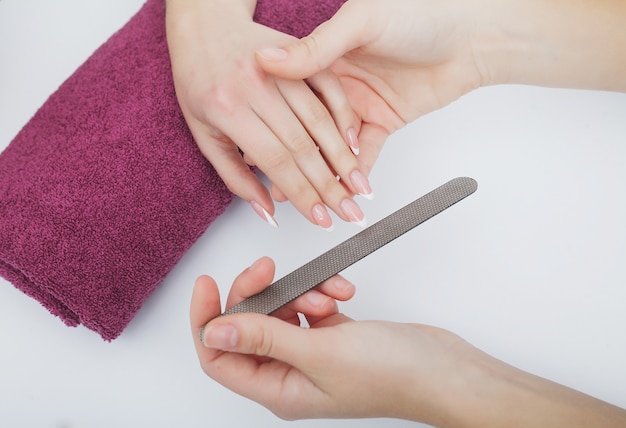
pixel 297 133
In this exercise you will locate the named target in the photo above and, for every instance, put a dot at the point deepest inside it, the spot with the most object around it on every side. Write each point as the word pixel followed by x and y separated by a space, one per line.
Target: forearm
pixel 490 393
pixel 557 43
pixel 186 20
pixel 217 8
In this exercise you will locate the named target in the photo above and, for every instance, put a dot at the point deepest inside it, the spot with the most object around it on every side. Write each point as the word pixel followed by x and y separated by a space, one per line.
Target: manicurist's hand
pixel 400 59
pixel 397 60
pixel 299 134
pixel 340 368
pixel 335 368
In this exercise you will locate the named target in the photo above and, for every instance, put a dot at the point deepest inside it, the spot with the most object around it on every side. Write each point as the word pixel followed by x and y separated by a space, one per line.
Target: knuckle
pixel 277 161
pixel 263 343
pixel 301 143
pixel 329 186
pixel 311 45
pixel 318 114
pixel 221 98
pixel 237 180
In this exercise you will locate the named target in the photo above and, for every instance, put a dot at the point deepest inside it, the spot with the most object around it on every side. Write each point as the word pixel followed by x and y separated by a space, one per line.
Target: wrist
pixel 210 10
pixel 507 41
pixel 196 29
pixel 490 393
pixel 555 44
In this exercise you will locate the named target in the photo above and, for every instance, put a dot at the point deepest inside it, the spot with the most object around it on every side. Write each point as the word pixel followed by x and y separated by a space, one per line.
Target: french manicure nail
pixel 353 141
pixel 321 216
pixel 220 337
pixel 273 54
pixel 362 185
pixel 352 211
pixel 263 213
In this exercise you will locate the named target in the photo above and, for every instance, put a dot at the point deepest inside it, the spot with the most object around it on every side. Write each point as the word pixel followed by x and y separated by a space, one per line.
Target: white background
pixel 531 268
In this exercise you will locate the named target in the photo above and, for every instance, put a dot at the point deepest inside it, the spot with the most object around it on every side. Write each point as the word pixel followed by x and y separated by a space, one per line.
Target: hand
pixel 296 132
pixel 397 60
pixel 335 368
pixel 400 59
pixel 340 368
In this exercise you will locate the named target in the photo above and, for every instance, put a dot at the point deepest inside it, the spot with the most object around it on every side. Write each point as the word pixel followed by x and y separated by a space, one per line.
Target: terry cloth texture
pixel 104 189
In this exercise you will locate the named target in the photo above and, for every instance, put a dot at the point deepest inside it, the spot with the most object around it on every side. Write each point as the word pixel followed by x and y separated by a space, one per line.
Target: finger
pixel 331 40
pixel 331 91
pixel 268 152
pixel 303 154
pixel 321 126
pixel 261 360
pixel 321 302
pixel 244 374
pixel 337 288
pixel 205 305
pixel 259 335
pixel 372 139
pixel 251 281
pixel 277 194
pixel 227 161
pixel 248 161
pixel 287 127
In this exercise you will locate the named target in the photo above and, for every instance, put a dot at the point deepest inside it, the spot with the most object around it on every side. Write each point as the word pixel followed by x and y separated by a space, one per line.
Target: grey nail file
pixel 355 248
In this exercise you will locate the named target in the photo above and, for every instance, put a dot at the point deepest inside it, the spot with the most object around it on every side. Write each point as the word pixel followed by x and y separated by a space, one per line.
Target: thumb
pixel 317 51
pixel 262 335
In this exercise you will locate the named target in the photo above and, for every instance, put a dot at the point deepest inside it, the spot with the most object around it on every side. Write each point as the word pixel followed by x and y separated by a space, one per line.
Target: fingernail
pixel 222 337
pixel 321 216
pixel 343 284
pixel 273 54
pixel 352 211
pixel 316 299
pixel 254 265
pixel 353 141
pixel 263 214
pixel 362 185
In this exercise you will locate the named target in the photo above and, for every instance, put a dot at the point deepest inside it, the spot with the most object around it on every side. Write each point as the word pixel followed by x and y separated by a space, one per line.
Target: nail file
pixel 355 248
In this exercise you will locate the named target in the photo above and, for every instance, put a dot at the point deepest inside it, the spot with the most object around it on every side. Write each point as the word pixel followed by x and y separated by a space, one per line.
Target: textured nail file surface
pixel 355 248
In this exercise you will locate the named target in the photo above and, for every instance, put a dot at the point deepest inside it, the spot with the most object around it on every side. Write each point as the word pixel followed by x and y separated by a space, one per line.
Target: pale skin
pixel 300 134
pixel 398 60
pixel 401 59
pixel 438 54
pixel 341 368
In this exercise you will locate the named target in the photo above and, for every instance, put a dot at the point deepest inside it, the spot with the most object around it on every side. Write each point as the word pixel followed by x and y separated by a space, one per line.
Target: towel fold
pixel 104 189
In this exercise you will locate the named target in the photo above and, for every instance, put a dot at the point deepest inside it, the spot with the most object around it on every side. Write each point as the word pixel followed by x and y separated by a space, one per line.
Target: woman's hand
pixel 335 368
pixel 340 368
pixel 401 59
pixel 296 132
pixel 397 60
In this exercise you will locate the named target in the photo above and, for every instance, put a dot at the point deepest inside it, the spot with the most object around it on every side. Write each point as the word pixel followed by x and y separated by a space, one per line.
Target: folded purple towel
pixel 104 190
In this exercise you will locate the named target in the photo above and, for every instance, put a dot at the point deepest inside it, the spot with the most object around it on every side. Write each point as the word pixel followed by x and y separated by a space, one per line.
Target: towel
pixel 104 190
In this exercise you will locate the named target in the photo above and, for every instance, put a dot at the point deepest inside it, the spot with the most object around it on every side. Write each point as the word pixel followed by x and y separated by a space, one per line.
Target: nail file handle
pixel 355 248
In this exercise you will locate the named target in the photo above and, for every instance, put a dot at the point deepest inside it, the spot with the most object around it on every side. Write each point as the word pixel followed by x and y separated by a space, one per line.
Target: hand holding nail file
pixel 355 248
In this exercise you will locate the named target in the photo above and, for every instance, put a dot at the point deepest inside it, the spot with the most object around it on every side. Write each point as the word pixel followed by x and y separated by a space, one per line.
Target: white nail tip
pixel 362 223
pixel 368 196
pixel 329 228
pixel 269 218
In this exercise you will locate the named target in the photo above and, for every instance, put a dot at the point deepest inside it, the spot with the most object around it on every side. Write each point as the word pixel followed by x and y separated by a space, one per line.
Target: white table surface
pixel 531 268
